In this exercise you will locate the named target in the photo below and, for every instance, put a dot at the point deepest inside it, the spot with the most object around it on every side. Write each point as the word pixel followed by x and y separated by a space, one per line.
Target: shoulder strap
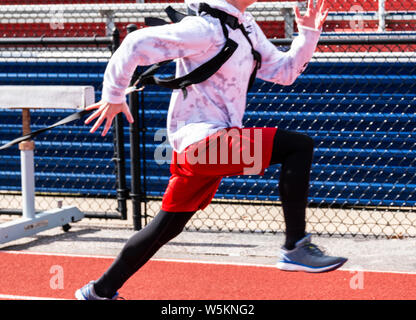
pixel 256 56
pixel 206 70
pixel 173 15
pixel 198 75
pixel 223 16
pixel 233 23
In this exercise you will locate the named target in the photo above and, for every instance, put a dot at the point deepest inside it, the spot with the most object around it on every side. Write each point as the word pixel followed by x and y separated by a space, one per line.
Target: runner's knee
pixel 288 143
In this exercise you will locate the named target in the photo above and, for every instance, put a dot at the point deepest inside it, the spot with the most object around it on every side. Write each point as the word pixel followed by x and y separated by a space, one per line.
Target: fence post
pixel 109 17
pixel 119 151
pixel 289 20
pixel 381 16
pixel 143 152
pixel 135 160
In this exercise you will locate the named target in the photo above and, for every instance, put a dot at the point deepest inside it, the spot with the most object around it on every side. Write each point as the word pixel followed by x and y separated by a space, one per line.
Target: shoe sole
pixel 79 295
pixel 287 266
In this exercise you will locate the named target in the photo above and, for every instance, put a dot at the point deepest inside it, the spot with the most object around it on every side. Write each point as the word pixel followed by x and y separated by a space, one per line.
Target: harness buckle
pixel 133 89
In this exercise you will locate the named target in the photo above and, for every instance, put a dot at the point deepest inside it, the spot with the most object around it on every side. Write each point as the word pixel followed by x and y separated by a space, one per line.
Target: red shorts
pixel 198 170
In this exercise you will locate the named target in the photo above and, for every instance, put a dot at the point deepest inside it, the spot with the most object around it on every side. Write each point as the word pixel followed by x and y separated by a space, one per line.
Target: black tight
pixel 139 249
pixel 292 150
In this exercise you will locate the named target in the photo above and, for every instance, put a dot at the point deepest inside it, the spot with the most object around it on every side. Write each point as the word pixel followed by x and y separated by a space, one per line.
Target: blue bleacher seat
pixel 360 115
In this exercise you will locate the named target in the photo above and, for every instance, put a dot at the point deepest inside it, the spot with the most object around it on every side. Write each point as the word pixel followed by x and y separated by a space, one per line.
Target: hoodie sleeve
pixel 191 36
pixel 284 67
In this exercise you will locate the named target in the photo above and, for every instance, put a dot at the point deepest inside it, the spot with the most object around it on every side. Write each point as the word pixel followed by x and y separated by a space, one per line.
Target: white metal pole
pixel 28 183
pixel 27 169
pixel 109 21
pixel 381 15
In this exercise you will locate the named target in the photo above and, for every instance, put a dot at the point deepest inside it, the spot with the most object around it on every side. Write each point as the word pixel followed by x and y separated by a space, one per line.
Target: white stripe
pixel 274 266
pixel 10 296
pixel 58 254
pixel 196 261
pixel 221 263
pixel 378 271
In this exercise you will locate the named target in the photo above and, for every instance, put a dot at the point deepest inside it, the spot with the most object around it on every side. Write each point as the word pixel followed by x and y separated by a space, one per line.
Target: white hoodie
pixel 220 101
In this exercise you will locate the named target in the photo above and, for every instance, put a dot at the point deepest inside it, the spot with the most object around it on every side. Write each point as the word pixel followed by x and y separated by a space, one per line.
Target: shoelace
pixel 313 249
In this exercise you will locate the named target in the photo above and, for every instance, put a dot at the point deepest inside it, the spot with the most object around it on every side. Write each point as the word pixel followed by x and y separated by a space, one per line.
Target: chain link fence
pixel 356 100
pixel 72 166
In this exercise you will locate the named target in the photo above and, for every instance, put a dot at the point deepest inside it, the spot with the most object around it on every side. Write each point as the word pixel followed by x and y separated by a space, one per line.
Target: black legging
pixel 139 249
pixel 292 150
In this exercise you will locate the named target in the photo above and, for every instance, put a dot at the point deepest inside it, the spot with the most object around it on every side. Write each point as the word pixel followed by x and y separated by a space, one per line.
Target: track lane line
pixel 15 297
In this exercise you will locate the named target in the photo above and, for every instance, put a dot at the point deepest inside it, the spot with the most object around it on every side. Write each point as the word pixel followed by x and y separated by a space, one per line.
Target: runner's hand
pixel 107 111
pixel 314 17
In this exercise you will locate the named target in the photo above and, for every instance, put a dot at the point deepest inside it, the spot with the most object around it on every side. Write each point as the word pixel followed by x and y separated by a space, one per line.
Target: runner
pixel 205 127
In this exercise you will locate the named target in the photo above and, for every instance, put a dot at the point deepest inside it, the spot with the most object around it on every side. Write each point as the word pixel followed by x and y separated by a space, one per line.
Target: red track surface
pixel 32 275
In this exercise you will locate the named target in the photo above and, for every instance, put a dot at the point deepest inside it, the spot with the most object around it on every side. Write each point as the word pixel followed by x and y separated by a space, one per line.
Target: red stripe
pixel 367 48
pixel 272 29
pixel 398 5
pixel 369 26
pixel 68 30
pixel 30 2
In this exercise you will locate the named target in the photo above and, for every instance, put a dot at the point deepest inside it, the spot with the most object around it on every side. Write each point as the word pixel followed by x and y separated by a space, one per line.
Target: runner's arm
pixel 284 67
pixel 193 35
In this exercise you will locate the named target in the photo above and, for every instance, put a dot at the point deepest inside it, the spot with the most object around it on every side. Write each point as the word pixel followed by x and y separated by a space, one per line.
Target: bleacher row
pixel 86 18
pixel 337 5
pixel 361 115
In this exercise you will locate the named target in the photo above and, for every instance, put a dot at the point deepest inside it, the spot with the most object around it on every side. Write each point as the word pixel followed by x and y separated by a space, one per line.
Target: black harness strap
pixel 233 23
pixel 174 15
pixel 152 21
pixel 256 56
pixel 198 75
pixel 70 118
pixel 208 69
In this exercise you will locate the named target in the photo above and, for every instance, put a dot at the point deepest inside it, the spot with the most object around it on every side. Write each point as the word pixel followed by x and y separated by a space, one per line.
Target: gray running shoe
pixel 87 292
pixel 307 257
